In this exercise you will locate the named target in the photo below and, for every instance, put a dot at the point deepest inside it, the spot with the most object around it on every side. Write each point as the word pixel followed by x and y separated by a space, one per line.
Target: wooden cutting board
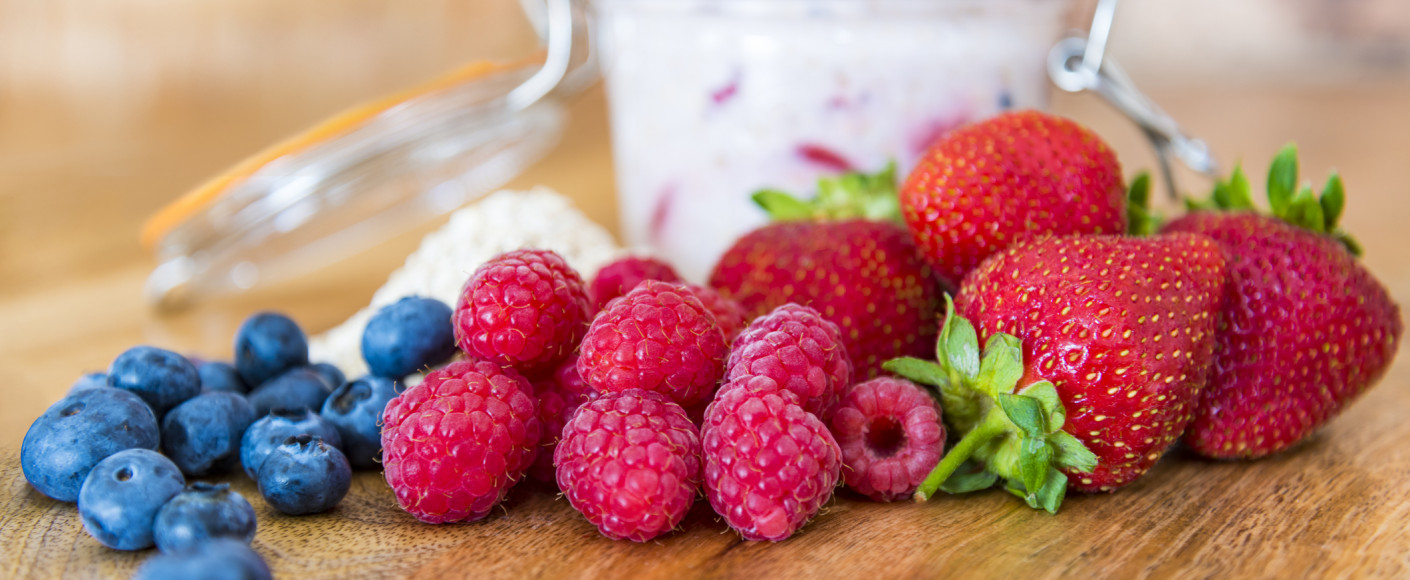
pixel 1338 506
pixel 1334 507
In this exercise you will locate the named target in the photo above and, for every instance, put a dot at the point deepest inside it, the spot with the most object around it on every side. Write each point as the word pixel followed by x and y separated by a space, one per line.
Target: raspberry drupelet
pixel 796 347
pixel 891 437
pixel 526 309
pixel 630 462
pixel 453 445
pixel 769 464
pixel 619 277
pixel 659 337
pixel 559 395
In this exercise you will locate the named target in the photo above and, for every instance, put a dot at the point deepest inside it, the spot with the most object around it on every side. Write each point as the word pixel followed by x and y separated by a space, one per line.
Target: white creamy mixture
pixel 504 221
pixel 713 99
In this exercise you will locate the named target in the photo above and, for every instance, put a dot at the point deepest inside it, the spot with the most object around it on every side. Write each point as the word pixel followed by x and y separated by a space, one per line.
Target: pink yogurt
pixel 714 99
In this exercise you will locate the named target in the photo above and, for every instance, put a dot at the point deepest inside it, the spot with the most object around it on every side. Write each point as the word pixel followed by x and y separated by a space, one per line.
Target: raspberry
pixel 891 437
pixel 630 462
pixel 769 464
pixel 621 276
pixel 659 337
pixel 798 348
pixel 526 309
pixel 559 396
pixel 453 445
pixel 729 315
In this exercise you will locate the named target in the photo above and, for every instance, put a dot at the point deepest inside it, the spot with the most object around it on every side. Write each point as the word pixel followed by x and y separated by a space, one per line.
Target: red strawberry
pixel 1006 179
pixel 1095 349
pixel 1304 328
pixel 865 276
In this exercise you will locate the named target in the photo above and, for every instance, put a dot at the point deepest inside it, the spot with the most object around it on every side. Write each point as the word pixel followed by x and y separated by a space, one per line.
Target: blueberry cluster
pixel 123 443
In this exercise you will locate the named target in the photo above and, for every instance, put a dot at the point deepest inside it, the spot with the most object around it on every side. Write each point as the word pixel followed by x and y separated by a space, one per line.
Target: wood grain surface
pixel 75 184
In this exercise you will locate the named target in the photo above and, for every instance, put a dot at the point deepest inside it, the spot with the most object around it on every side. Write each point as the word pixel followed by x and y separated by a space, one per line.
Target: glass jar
pixel 711 100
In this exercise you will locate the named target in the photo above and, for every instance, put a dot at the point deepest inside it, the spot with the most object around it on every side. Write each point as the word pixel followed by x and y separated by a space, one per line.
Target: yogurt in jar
pixel 712 100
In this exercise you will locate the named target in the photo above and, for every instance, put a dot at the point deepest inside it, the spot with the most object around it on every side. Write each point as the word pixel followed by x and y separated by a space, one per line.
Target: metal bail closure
pixel 1078 64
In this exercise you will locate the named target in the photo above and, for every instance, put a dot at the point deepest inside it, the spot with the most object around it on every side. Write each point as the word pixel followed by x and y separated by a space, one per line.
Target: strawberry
pixel 1304 328
pixel 1012 177
pixel 1095 349
pixel 839 255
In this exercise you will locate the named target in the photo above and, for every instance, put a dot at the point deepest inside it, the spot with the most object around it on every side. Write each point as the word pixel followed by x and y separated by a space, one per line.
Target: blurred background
pixel 110 109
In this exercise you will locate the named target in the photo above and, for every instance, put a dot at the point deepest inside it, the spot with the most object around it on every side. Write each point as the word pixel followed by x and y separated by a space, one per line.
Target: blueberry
pixel 304 476
pixel 89 381
pixel 219 376
pixel 200 513
pixel 268 344
pixel 299 387
pixel 202 435
pixel 271 430
pixel 331 375
pixel 162 378
pixel 80 430
pixel 120 497
pixel 408 335
pixel 218 559
pixel 356 410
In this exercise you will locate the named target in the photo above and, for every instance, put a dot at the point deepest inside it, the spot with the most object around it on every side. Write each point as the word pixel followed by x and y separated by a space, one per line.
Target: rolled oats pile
pixel 503 221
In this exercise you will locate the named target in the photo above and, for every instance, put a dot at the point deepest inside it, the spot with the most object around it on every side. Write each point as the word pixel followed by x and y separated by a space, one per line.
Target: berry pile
pixel 296 429
pixel 1070 357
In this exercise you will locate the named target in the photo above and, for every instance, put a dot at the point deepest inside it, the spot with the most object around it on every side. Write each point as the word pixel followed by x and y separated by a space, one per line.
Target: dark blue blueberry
pixel 268 344
pixel 300 387
pixel 219 559
pixel 162 378
pixel 202 435
pixel 410 334
pixel 271 430
pixel 356 410
pixel 120 498
pixel 304 476
pixel 80 430
pixel 202 512
pixel 89 381
pixel 219 376
pixel 331 375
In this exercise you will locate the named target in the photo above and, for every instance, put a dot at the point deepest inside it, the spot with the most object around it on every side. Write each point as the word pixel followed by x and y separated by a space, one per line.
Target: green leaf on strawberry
pixel 1302 207
pixel 1282 179
pixel 852 195
pixel 1014 436
pixel 1141 221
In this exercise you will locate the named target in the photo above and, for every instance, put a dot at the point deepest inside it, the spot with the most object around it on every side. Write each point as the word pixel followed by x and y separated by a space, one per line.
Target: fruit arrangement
pixel 989 321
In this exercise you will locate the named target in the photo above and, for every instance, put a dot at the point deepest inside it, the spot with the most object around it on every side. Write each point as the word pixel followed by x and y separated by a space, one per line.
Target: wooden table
pixel 71 274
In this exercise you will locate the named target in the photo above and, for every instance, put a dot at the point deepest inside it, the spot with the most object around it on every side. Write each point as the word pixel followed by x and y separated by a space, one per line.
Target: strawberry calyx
pixel 851 195
pixel 1007 432
pixel 1141 221
pixel 1300 206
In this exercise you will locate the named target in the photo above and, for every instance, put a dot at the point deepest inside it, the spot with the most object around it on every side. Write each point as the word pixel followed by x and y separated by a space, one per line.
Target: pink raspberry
pixel 453 445
pixel 769 464
pixel 658 337
pixel 526 309
pixel 621 276
pixel 891 437
pixel 798 348
pixel 630 462
pixel 559 396
pixel 729 315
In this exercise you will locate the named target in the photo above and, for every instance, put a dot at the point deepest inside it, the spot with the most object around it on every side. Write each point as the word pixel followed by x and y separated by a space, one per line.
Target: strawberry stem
pixel 993 425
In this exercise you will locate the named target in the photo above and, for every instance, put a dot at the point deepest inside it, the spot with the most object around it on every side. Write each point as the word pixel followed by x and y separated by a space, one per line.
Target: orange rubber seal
pixel 167 218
